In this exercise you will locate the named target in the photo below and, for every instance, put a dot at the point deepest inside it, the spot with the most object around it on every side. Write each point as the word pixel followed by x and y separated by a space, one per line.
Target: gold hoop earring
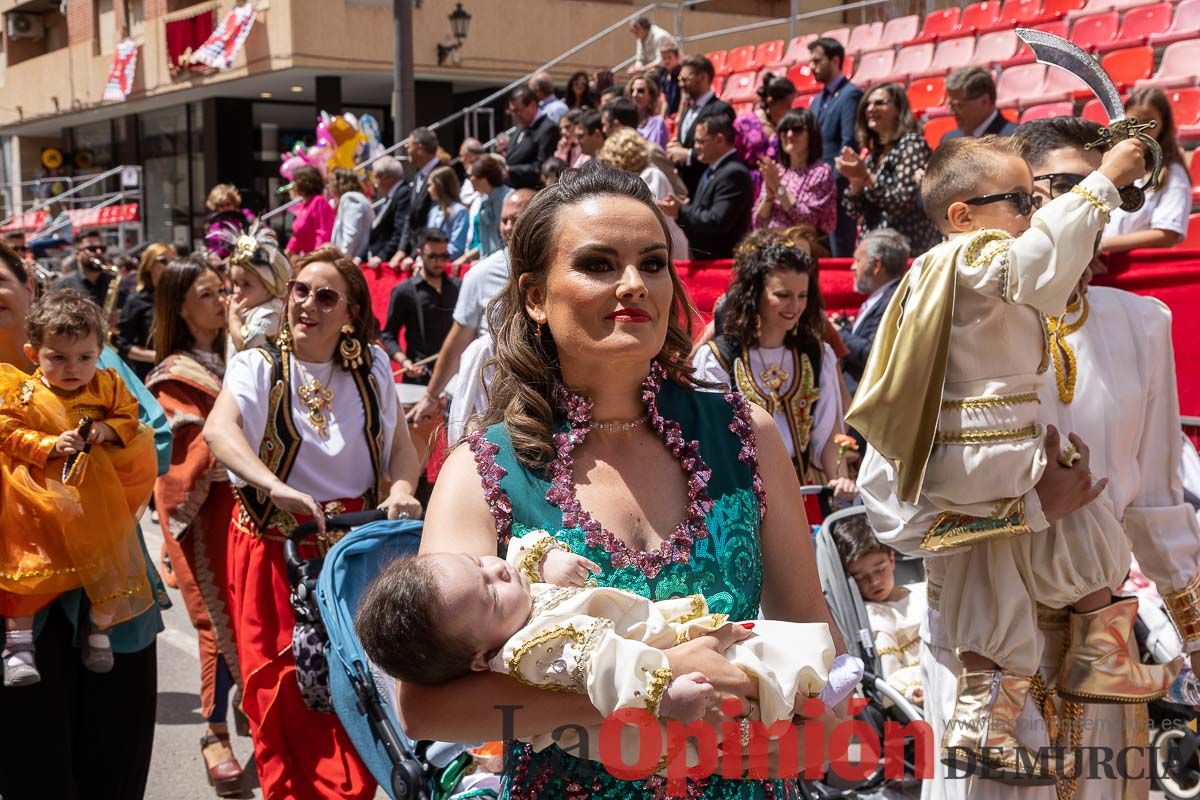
pixel 350 349
pixel 539 328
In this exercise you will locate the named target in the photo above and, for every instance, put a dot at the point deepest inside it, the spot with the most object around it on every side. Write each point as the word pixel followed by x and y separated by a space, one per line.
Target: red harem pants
pixel 301 754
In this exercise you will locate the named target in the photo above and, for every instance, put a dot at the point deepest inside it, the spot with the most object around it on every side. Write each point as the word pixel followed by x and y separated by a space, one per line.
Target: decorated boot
pixel 981 737
pixel 1102 664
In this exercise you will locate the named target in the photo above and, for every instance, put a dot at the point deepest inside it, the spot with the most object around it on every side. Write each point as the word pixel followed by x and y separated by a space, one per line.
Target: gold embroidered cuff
pixel 1092 199
pixel 531 562
pixel 660 679
pixel 960 530
pixel 1184 609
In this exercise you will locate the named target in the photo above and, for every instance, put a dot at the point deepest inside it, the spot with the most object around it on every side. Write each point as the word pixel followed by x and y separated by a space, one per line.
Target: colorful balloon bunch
pixel 342 142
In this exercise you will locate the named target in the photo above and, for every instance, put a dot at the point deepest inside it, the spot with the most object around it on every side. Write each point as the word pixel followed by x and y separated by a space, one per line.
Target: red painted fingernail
pixel 748 625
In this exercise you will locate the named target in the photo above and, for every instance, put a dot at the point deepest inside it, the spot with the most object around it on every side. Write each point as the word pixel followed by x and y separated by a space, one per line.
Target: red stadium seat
pixel 718 84
pixel 1094 111
pixel 874 67
pixel 1185 103
pixel 769 54
pixel 1186 24
pixel 1194 174
pixel 1092 7
pixel 1138 25
pixel 717 57
pixel 1021 13
pixel 804 100
pixel 996 47
pixel 935 129
pixel 1022 81
pixel 926 93
pixel 1059 27
pixel 939 25
pixel 740 88
pixel 739 59
pixel 840 34
pixel 802 78
pixel 1127 67
pixel 1058 9
pixel 915 58
pixel 796 53
pixel 1095 30
pixel 865 37
pixel 980 18
pixel 900 30
pixel 1193 235
pixel 1178 66
pixel 742 108
pixel 950 55
pixel 1047 110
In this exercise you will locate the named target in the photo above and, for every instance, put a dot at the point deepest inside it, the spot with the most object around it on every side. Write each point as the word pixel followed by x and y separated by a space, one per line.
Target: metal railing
pixel 58 198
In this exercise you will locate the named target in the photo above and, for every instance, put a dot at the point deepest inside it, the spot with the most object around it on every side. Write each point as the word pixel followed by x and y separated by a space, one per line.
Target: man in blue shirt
pixel 835 108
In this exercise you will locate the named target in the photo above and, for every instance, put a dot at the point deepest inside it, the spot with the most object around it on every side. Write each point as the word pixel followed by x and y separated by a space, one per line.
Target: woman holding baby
pixel 597 433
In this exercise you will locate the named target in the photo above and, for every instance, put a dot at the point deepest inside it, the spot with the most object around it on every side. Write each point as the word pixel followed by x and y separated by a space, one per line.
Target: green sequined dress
pixel 714 552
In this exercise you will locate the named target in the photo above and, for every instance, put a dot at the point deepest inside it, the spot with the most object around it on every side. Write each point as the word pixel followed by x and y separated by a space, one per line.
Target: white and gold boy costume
pixel 608 644
pixel 951 402
pixel 896 626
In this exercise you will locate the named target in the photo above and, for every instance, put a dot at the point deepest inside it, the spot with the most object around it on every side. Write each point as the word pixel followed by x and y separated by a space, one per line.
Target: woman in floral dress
pixel 596 433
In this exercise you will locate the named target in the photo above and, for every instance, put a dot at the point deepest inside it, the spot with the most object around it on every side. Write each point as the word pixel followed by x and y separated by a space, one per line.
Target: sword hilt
pixel 1133 197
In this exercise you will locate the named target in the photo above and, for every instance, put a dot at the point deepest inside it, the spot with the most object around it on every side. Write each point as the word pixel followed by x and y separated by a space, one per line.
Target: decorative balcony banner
pixel 120 77
pixel 220 49
pixel 184 37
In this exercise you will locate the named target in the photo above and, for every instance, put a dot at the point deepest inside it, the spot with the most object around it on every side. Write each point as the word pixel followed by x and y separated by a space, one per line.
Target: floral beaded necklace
pixel 677 549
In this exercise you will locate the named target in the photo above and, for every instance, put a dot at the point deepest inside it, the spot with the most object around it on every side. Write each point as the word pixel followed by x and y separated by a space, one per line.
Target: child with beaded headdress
pixel 259 272
pixel 950 399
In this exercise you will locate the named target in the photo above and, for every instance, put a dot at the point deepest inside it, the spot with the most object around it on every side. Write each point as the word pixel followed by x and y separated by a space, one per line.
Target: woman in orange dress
pixel 193 498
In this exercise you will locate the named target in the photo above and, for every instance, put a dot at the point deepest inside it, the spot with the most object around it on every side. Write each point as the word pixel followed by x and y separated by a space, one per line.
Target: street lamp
pixel 460 21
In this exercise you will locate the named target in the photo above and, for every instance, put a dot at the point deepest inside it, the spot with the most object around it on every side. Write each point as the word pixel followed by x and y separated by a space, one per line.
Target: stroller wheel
pixel 1178 780
pixel 408 780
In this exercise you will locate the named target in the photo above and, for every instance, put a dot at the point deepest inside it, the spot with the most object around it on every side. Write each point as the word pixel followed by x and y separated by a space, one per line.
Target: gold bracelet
pixel 1184 609
pixel 531 562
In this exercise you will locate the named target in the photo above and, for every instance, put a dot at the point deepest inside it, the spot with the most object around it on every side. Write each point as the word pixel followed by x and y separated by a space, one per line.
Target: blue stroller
pixel 326 593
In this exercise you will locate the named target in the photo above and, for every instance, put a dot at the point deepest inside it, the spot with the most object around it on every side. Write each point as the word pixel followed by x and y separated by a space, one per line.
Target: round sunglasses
pixel 327 299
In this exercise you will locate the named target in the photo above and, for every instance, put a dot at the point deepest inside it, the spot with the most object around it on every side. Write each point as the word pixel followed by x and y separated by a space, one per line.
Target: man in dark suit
pixel 695 79
pixel 879 261
pixel 718 215
pixel 971 95
pixel 534 142
pixel 422 157
pixel 835 108
pixel 391 223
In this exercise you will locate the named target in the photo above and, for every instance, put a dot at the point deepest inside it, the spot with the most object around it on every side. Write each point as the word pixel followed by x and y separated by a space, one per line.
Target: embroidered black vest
pixel 281 439
pixel 800 399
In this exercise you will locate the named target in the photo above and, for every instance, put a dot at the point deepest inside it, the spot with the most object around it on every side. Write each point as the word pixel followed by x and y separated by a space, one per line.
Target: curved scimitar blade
pixel 1058 52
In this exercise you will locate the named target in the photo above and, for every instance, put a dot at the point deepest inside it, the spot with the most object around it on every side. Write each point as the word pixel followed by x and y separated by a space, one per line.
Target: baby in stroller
pixel 894 612
pixel 430 619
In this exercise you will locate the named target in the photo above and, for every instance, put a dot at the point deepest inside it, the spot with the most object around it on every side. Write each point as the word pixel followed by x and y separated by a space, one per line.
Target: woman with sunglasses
pixel 579 92
pixel 884 190
pixel 799 189
pixel 193 498
pixel 307 426
pixel 1163 220
pixel 136 325
pixel 643 91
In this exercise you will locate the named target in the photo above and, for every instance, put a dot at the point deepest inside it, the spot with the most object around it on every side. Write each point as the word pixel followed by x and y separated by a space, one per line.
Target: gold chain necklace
pixel 1066 368
pixel 317 398
pixel 774 377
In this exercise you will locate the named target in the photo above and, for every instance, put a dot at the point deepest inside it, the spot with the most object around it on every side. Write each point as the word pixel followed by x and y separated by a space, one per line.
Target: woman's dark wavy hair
pixel 906 123
pixel 527 377
pixel 744 296
pixel 171 332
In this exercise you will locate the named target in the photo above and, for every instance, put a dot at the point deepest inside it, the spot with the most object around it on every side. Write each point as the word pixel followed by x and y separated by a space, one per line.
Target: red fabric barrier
pixel 1172 276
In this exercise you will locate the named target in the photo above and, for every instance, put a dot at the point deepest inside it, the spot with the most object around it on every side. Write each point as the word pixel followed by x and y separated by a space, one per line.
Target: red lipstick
pixel 629 315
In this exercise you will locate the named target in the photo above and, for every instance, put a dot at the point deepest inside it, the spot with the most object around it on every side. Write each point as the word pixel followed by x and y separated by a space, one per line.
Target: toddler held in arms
pixel 70 493
pixel 951 398
pixel 430 619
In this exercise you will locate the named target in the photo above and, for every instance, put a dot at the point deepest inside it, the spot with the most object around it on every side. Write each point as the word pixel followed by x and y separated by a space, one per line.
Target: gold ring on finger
pixel 1069 456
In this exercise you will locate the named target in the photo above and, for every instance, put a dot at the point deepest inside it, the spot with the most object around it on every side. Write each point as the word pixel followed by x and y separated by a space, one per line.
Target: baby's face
pixel 1008 175
pixel 68 363
pixel 485 599
pixel 875 575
